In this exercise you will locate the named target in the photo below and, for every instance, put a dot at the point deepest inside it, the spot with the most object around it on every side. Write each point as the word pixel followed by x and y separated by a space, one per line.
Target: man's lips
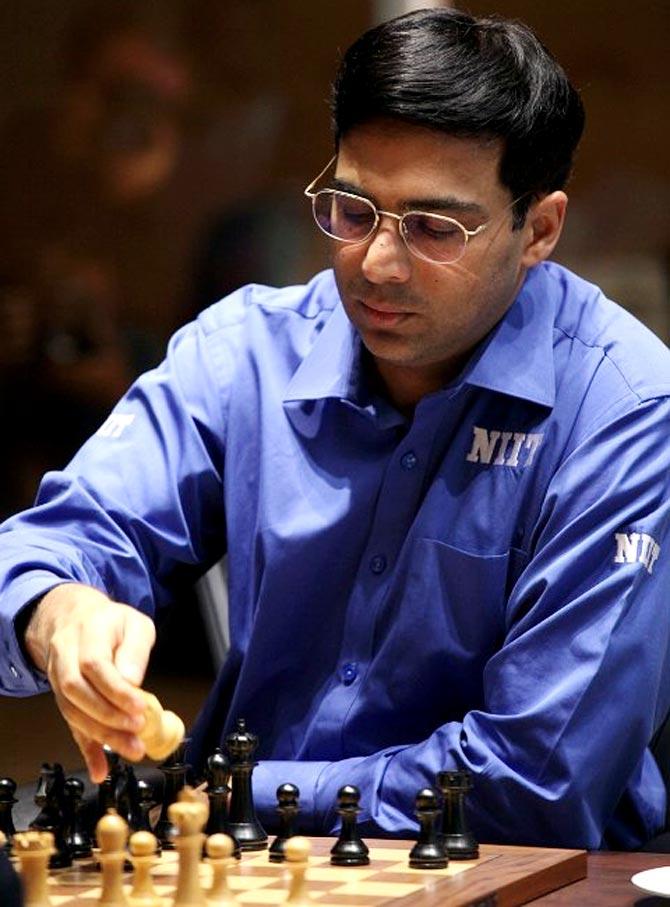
pixel 377 313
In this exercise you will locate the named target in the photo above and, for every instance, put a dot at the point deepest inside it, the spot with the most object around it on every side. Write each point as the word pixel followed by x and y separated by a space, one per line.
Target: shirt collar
pixel 333 365
pixel 515 359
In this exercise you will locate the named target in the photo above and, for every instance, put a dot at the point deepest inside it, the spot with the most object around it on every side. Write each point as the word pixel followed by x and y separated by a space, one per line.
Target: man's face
pixel 420 320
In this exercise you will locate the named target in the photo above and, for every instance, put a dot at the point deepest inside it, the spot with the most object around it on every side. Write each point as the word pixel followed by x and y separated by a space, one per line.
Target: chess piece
pixel 174 769
pixel 429 851
pixel 50 797
pixel 349 850
pixel 128 797
pixel 142 845
pixel 145 803
pixel 7 802
pixel 288 809
pixel 112 833
pixel 218 772
pixel 108 788
pixel 243 824
pixel 296 851
pixel 34 850
pixel 76 834
pixel 188 815
pixel 10 884
pixel 460 842
pixel 163 731
pixel 219 850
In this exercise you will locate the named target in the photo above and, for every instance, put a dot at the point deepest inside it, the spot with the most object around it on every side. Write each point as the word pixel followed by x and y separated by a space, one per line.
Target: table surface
pixel 608 882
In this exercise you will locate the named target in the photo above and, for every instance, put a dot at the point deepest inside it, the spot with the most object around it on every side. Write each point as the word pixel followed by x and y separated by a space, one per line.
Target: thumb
pixel 132 653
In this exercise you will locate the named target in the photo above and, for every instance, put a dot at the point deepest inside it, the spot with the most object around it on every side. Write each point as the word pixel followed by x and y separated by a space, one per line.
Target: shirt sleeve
pixel 141 502
pixel 574 694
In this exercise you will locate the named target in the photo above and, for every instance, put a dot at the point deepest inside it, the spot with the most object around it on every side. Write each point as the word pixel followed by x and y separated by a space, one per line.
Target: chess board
pixel 505 876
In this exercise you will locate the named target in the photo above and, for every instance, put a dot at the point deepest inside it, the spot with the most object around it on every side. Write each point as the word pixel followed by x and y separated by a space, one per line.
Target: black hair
pixel 475 78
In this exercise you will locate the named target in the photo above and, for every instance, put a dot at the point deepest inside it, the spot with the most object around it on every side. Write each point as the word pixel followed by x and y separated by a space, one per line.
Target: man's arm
pixel 141 500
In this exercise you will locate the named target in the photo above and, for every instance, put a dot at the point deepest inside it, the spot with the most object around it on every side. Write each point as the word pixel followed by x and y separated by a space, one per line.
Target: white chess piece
pixel 142 846
pixel 188 815
pixel 111 833
pixel 296 851
pixel 163 731
pixel 33 849
pixel 219 852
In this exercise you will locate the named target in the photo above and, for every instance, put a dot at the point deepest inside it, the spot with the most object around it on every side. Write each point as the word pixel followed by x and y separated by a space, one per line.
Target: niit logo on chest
pixel 497 447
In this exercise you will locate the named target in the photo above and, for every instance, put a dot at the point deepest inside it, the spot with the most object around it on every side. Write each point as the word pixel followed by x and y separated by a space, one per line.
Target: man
pixel 440 475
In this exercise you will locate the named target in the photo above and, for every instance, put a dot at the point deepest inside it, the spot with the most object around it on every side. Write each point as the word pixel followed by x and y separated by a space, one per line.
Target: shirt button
pixel 13 671
pixel 349 673
pixel 378 563
pixel 409 460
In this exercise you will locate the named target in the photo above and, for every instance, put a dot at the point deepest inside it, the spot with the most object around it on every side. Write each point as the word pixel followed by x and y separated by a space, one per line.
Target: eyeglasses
pixel 353 219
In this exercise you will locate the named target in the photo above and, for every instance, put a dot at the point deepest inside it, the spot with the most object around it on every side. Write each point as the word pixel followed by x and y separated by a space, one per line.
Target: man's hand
pixel 95 653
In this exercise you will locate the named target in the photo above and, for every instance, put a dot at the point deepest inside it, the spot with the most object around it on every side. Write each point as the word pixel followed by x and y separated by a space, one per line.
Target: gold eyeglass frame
pixel 311 194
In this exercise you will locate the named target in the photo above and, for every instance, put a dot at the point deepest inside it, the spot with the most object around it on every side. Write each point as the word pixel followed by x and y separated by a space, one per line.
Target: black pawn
pixel 459 841
pixel 76 834
pixel 50 797
pixel 243 824
pixel 429 851
pixel 288 808
pixel 175 770
pixel 7 802
pixel 218 773
pixel 349 849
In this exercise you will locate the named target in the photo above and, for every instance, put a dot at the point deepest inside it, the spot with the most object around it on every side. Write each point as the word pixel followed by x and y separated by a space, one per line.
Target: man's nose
pixel 387 257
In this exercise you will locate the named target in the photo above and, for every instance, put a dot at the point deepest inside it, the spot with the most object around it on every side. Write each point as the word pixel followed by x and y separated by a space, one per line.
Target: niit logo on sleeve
pixel 503 448
pixel 115 425
pixel 636 547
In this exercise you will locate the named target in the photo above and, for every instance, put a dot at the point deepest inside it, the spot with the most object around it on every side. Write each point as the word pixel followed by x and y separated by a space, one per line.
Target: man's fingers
pixel 132 654
pixel 94 756
pixel 94 732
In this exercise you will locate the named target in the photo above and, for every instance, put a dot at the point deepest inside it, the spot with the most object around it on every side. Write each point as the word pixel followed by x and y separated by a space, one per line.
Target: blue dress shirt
pixel 484 586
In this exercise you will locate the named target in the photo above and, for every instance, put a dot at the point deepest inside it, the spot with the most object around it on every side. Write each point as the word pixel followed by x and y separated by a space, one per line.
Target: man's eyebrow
pixel 449 204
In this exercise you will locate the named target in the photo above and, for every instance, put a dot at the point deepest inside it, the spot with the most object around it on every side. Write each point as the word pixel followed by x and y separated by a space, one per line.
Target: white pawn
pixel 219 851
pixel 142 845
pixel 296 851
pixel 111 833
pixel 33 849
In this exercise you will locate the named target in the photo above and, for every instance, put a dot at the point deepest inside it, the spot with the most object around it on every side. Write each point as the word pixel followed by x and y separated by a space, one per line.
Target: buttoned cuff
pixel 19 677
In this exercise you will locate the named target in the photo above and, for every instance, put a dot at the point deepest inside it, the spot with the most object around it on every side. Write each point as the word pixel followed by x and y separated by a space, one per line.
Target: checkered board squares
pixel 254 880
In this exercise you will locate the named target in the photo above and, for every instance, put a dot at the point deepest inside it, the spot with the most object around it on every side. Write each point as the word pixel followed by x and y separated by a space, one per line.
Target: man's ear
pixel 544 223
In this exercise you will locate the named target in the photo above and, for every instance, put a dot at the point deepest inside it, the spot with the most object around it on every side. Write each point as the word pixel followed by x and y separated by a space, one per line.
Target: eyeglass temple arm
pixel 309 191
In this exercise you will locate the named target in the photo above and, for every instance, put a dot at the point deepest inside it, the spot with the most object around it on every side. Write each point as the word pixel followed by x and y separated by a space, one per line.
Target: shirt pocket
pixel 468 592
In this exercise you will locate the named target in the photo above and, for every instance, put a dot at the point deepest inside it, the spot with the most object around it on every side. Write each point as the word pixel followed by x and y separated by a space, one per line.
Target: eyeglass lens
pixel 353 219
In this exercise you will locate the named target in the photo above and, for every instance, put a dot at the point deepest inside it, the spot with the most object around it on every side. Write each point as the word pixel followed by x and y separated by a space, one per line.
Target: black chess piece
pixel 77 837
pixel 7 803
pixel 242 823
pixel 128 797
pixel 108 788
pixel 175 769
pixel 349 849
pixel 50 797
pixel 288 808
pixel 429 852
pixel 460 842
pixel 218 773
pixel 10 882
pixel 146 801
